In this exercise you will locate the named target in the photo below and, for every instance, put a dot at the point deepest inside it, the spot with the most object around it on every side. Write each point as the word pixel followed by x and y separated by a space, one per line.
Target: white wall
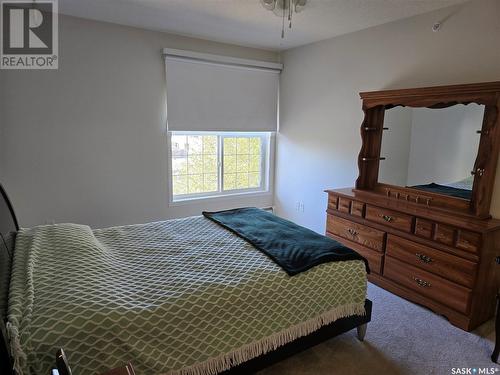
pixel 87 143
pixel 321 110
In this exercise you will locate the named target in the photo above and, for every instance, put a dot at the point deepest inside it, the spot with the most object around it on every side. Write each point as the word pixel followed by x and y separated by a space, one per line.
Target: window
pixel 206 164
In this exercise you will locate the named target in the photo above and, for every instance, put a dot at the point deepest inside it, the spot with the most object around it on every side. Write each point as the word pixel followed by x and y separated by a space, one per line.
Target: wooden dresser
pixel 433 249
pixel 440 261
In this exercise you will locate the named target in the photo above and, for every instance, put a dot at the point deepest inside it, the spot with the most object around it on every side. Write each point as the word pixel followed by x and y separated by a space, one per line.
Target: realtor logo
pixel 29 34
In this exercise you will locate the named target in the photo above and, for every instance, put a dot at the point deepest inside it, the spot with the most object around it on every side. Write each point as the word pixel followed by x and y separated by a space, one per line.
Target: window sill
pixel 222 197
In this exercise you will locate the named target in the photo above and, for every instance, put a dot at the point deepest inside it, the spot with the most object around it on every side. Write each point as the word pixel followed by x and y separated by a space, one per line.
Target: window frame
pixel 267 143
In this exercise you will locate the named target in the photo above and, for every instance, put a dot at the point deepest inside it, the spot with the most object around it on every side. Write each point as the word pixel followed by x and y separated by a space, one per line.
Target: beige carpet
pixel 402 338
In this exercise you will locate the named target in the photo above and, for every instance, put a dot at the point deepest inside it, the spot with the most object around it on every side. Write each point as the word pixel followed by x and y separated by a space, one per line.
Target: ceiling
pixel 246 22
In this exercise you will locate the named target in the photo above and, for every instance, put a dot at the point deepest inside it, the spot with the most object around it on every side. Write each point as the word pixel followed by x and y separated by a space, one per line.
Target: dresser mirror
pixel 431 149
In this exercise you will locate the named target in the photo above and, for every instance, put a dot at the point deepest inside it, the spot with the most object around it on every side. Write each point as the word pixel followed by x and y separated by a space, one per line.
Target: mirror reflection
pixel 431 149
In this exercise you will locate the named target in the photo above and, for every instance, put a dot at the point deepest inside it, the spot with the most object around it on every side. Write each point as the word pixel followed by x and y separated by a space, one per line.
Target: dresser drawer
pixel 374 258
pixel 357 208
pixel 469 241
pixel 423 228
pixel 427 284
pixel 391 218
pixel 344 205
pixel 361 234
pixel 332 201
pixel 445 234
pixel 448 266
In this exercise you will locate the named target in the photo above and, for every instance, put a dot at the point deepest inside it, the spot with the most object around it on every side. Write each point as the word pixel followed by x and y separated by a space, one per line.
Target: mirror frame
pixel 374 105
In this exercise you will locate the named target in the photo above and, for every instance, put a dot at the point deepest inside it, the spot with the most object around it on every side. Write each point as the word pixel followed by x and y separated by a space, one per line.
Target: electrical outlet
pixel 299 206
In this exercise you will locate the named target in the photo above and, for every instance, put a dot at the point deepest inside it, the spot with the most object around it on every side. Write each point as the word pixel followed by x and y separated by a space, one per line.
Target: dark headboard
pixel 8 230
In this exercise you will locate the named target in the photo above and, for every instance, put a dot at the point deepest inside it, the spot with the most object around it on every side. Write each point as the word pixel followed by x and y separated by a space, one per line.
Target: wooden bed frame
pixel 8 229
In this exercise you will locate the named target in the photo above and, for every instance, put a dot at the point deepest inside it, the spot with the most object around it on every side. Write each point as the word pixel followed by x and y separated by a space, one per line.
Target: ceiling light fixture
pixel 285 10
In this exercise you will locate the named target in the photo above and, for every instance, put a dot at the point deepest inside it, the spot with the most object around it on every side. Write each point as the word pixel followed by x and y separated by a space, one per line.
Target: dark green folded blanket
pixel 294 248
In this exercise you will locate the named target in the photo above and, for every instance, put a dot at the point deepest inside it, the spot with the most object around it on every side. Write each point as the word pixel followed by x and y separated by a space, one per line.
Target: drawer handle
pixel 424 258
pixel 422 283
pixel 387 218
pixel 352 232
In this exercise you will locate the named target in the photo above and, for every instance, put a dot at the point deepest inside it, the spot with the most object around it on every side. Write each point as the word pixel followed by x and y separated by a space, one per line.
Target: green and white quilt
pixel 174 297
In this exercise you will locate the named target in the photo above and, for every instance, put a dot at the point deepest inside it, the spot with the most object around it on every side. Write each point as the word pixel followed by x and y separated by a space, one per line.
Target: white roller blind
pixel 213 96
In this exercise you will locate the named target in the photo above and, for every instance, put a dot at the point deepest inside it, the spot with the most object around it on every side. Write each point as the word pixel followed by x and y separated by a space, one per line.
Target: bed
pixel 182 296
